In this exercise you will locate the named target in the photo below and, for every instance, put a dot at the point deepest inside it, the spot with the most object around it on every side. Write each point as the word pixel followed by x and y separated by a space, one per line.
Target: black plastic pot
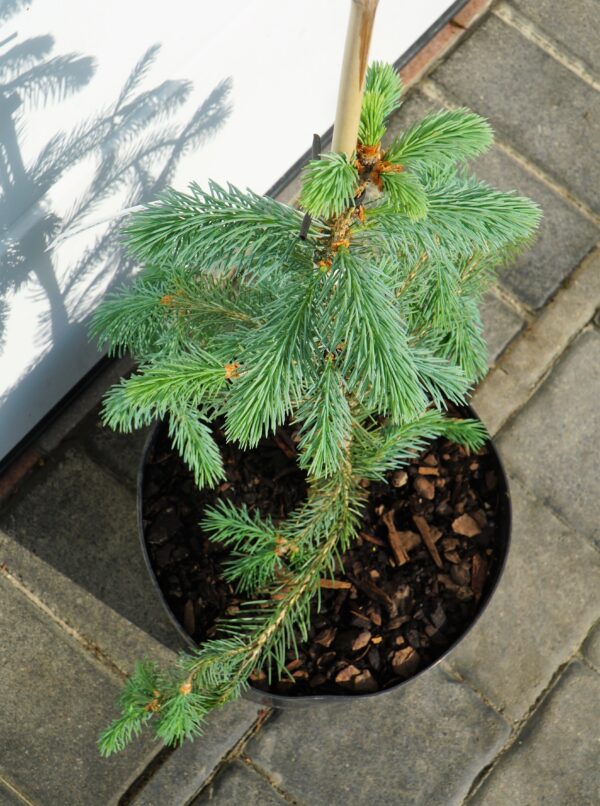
pixel 282 701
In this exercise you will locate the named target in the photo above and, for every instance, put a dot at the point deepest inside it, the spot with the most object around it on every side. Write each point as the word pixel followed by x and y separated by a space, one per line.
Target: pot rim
pixel 306 700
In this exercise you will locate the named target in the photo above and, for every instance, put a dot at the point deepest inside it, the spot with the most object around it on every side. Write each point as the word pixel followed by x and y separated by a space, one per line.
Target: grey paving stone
pixel 121 453
pixel 80 520
pixel 553 443
pixel 102 627
pixel 564 238
pixel 423 745
pixel 187 769
pixel 239 784
pixel 591 648
pixel 540 614
pixel 548 113
pixel 415 107
pixel 575 26
pixel 55 701
pixel 555 759
pixel 501 323
pixel 508 387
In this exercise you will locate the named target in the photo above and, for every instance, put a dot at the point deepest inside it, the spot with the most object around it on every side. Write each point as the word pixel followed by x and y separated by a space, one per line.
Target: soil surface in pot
pixel 410 586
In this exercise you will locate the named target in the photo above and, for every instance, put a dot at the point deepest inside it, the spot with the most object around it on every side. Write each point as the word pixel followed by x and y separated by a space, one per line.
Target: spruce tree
pixel 355 318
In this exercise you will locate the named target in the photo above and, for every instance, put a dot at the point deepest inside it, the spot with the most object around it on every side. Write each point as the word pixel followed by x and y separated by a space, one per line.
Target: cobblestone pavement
pixel 511 718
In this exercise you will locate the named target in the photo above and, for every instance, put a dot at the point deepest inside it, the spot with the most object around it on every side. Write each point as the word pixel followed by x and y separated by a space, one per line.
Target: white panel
pixel 230 91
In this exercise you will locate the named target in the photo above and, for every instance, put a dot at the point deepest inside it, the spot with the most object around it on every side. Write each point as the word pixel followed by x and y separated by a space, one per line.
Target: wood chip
pixel 466 525
pixel 480 517
pixel 361 640
pixel 346 674
pixel 478 575
pixel 429 471
pixel 438 616
pixel 402 600
pixel 364 681
pixel 399 478
pixel 461 573
pixel 365 619
pixel 288 449
pixel 430 535
pixel 377 640
pixel 425 488
pixel 401 542
pixel 448 582
pixel 374 616
pixel 405 661
pixel 335 584
pixel 430 460
pixel 326 637
pixel 376 541
pixel 397 622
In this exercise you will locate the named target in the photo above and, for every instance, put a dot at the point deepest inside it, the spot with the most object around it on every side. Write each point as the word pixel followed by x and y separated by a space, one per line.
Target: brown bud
pixel 231 370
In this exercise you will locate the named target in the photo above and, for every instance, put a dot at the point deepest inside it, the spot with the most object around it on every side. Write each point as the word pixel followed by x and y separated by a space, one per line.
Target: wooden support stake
pixel 352 80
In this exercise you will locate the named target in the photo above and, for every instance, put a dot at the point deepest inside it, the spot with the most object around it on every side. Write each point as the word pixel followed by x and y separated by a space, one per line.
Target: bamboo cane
pixel 352 80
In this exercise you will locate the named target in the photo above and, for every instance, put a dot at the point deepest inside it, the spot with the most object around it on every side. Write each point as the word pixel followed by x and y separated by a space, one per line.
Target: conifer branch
pixel 361 333
pixel 445 137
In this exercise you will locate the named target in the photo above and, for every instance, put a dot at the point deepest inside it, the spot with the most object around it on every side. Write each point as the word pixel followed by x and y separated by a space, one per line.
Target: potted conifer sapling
pixel 346 334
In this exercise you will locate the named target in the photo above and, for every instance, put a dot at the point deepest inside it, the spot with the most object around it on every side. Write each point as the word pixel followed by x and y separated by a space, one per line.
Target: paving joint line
pixel 233 753
pixel 146 775
pixel 508 381
pixel 556 513
pixel 537 385
pixel 17 792
pixel 266 776
pixel 456 676
pixel 432 90
pixel 89 646
pixel 518 728
pixel 520 724
pixel 587 662
pixel 514 303
pixel 530 31
pixel 101 464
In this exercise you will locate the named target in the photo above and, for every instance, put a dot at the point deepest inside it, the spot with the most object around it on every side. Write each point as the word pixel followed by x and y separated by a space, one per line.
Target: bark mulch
pixel 429 549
